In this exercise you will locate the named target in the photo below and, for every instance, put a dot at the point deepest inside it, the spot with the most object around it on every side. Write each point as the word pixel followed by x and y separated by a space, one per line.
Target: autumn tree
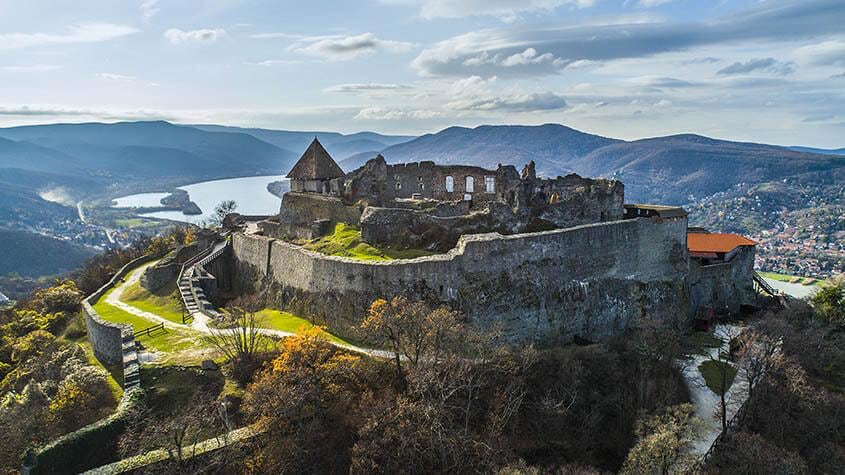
pixel 664 442
pixel 304 397
pixel 411 330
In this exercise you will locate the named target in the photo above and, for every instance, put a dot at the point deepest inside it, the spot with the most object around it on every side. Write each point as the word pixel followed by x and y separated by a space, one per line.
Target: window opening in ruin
pixel 490 184
pixel 470 184
pixel 422 186
pixel 450 183
pixel 398 185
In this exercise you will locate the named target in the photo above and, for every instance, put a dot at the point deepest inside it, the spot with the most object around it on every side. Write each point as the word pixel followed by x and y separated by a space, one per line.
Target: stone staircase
pixel 193 297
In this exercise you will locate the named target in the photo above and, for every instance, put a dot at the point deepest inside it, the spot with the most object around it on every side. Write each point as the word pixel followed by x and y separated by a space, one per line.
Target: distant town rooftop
pixel 716 243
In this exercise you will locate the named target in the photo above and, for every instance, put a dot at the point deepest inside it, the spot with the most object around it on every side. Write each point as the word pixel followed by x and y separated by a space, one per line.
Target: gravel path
pixel 200 322
pixel 706 402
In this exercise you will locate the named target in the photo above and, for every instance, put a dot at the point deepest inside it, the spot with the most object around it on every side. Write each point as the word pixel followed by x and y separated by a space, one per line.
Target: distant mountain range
pixel 676 169
pixel 45 169
pixel 823 151
pixel 93 157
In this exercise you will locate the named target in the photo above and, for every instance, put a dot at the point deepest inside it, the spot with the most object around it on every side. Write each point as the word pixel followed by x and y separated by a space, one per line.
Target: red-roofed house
pixel 713 248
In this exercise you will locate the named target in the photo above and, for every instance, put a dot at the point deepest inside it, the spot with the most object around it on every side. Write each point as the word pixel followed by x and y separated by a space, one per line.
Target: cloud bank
pixel 548 50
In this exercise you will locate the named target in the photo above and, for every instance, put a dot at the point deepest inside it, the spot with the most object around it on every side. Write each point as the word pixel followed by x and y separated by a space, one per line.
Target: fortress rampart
pixel 589 281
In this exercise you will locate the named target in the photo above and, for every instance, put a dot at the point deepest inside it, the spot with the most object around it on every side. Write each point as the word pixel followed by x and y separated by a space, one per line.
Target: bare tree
pixel 758 349
pixel 241 343
pixel 411 329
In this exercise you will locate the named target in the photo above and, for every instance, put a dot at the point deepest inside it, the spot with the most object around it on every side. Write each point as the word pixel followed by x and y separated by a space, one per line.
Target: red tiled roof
pixel 699 242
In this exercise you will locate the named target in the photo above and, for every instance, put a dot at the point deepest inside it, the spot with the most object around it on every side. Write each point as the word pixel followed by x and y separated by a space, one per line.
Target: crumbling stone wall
pixel 308 215
pixel 723 286
pixel 591 281
pixel 410 228
pixel 378 183
pixel 167 269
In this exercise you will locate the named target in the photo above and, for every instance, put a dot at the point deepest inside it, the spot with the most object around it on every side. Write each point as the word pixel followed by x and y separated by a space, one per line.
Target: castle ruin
pixel 545 259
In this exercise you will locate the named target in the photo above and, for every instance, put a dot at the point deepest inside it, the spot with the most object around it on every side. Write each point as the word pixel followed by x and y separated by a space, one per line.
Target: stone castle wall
pixel 723 286
pixel 589 281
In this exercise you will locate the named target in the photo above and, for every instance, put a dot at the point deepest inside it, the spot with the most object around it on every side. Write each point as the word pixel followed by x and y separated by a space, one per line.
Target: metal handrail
pixel 764 285
pixel 201 259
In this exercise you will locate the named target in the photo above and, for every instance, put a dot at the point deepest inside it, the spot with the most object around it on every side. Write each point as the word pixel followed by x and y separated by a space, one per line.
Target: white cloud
pixel 124 78
pixel 149 8
pixel 530 56
pixel 339 48
pixel 531 102
pixel 477 94
pixel 758 64
pixel 387 113
pixel 276 62
pixel 654 3
pixel 79 33
pixel 32 68
pixel 176 36
pixel 484 52
pixel 358 88
pixel 56 112
pixel 507 9
pixel 827 53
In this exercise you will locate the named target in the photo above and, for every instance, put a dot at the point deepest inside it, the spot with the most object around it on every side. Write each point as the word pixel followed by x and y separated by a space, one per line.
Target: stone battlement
pixel 547 286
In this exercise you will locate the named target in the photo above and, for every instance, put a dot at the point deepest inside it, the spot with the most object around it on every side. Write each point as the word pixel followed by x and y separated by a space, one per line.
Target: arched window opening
pixel 470 188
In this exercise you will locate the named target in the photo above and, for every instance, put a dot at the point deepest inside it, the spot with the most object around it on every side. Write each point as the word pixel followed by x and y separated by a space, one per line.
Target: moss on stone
pixel 345 241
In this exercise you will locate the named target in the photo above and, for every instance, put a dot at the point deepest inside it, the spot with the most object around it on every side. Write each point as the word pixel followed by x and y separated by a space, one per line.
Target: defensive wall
pixel 723 286
pixel 107 338
pixel 589 281
pixel 113 344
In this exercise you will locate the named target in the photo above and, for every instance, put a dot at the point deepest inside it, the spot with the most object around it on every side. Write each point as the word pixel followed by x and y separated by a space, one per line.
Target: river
pixel 250 193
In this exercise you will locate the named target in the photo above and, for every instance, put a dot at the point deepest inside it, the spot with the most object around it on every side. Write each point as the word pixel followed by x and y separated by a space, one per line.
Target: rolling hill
pixel 37 255
pixel 674 169
pixel 129 150
pixel 823 151
pixel 338 145
pixel 551 146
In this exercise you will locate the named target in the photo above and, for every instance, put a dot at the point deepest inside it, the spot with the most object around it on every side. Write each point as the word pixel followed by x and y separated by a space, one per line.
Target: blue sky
pixel 769 71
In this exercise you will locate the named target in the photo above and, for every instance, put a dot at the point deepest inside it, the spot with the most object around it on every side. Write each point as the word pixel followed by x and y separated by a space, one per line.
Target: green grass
pixel 712 373
pixel 792 278
pixel 288 322
pixel 169 341
pixel 345 241
pixel 163 302
pixel 131 223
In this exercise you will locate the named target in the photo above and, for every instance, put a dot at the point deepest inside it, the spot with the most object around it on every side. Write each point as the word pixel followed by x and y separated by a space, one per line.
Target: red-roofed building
pixel 716 247
pixel 721 271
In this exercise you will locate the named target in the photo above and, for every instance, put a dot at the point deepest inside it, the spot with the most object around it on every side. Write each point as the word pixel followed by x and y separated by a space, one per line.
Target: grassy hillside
pixel 30 254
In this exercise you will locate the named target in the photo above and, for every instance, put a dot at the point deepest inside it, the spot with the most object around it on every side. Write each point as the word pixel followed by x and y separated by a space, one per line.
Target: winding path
pixel 200 321
pixel 706 402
